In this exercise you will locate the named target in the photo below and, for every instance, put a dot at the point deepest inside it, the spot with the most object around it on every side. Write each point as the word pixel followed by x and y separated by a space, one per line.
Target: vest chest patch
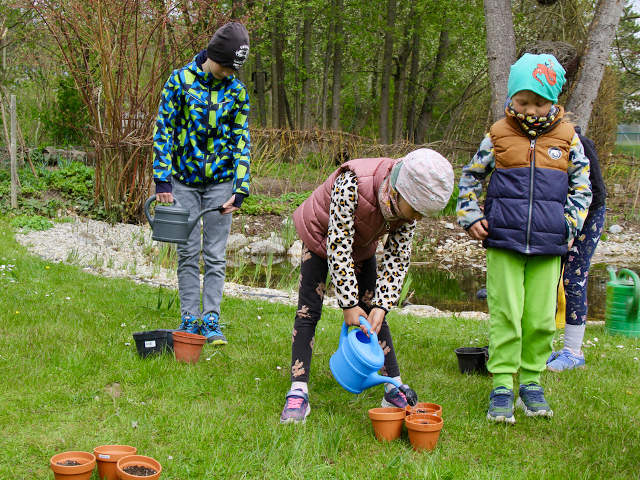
pixel 554 153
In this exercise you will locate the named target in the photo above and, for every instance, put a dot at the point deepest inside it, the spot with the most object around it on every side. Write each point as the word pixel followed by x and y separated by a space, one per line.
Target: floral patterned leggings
pixel 312 286
pixel 576 269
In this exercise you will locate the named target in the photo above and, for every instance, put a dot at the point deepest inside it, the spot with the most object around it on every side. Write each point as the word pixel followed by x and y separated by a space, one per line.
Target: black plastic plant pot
pixel 153 341
pixel 473 359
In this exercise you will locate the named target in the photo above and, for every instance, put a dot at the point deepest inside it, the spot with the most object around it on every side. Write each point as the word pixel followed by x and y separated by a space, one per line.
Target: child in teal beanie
pixel 537 199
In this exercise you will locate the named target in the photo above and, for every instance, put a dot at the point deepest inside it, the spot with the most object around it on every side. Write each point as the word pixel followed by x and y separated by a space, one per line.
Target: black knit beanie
pixel 229 46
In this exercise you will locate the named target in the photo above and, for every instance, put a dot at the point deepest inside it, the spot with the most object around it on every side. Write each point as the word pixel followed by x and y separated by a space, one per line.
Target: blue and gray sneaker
pixel 532 401
pixel 189 324
pixel 565 359
pixel 394 398
pixel 501 405
pixel 211 329
pixel 296 408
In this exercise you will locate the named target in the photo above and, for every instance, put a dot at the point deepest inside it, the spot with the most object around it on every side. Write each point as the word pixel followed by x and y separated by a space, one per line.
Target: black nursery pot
pixel 153 341
pixel 473 359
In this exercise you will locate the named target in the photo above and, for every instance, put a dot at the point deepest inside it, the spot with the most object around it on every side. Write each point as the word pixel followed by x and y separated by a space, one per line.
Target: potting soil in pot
pixel 69 463
pixel 139 470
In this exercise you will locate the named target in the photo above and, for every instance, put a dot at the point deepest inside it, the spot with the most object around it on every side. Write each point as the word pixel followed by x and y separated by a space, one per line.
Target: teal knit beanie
pixel 542 74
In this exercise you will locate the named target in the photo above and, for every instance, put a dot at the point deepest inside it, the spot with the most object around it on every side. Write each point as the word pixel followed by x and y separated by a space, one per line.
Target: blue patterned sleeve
pixel 241 144
pixel 170 105
pixel 579 198
pixel 470 184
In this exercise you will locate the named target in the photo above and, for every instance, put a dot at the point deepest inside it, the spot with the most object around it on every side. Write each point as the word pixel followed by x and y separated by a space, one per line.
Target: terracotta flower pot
pixel 424 407
pixel 107 456
pixel 387 422
pixel 64 468
pixel 424 430
pixel 143 463
pixel 187 346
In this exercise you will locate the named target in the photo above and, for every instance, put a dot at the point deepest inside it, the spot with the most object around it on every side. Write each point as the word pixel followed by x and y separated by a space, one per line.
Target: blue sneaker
pixel 394 398
pixel 501 406
pixel 189 324
pixel 565 359
pixel 211 329
pixel 296 408
pixel 532 401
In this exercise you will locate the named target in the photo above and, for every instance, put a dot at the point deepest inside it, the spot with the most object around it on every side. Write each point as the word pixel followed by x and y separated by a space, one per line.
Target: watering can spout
pixel 376 379
pixel 612 273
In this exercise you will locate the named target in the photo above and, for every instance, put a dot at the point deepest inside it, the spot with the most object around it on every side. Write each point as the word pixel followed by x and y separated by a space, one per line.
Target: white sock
pixel 304 386
pixel 390 386
pixel 573 336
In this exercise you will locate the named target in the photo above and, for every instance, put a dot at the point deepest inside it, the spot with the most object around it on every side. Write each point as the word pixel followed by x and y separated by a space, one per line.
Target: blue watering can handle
pixel 623 272
pixel 363 321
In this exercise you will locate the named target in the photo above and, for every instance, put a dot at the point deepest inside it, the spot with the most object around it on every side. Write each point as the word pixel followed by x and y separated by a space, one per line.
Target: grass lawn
pixel 66 338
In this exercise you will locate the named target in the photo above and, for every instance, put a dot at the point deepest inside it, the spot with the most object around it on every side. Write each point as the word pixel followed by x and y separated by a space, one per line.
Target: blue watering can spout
pixel 377 379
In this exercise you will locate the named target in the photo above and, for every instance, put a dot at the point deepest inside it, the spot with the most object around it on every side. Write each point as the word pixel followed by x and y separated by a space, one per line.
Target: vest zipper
pixel 532 167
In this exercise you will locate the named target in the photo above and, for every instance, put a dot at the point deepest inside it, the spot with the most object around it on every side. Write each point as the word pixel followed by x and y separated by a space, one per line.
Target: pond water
pixel 454 289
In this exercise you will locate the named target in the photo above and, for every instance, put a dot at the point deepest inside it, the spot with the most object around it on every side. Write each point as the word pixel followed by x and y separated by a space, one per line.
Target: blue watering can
pixel 359 357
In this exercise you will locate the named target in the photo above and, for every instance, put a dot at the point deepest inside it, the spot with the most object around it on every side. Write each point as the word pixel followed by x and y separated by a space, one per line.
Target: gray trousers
pixel 211 240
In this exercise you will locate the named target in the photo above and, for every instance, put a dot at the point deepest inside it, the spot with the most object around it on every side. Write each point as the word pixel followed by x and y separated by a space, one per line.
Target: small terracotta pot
pixel 107 456
pixel 187 346
pixel 83 471
pixel 140 461
pixel 387 422
pixel 424 407
pixel 424 430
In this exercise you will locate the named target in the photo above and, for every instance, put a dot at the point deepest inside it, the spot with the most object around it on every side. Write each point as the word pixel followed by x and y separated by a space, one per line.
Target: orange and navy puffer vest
pixel 311 219
pixel 528 189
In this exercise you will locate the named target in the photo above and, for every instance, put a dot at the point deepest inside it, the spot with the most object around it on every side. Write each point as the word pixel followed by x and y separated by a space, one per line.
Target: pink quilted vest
pixel 312 217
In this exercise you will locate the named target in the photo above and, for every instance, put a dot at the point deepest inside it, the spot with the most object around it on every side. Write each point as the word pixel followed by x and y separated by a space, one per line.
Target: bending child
pixel 340 225
pixel 536 201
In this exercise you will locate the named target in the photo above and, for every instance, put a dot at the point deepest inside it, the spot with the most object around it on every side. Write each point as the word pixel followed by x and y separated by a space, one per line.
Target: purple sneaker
pixel 394 398
pixel 297 408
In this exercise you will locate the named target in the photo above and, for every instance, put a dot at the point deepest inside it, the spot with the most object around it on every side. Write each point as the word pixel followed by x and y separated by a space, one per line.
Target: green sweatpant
pixel 522 295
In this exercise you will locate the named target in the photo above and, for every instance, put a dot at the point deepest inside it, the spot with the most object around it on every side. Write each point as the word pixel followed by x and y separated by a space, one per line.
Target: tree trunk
pixel 430 98
pixel 325 75
pixel 413 75
pixel 601 33
pixel 260 75
pixel 279 114
pixel 501 51
pixel 400 80
pixel 306 69
pixel 387 64
pixel 337 67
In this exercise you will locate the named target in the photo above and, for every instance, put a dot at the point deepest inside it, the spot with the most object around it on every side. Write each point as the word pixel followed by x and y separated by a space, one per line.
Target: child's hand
pixel 570 243
pixel 479 230
pixel 352 317
pixel 376 316
pixel 166 197
pixel 228 207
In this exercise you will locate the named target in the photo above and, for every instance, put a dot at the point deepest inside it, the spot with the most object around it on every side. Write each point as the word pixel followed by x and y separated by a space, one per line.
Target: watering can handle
pixel 363 321
pixel 147 204
pixel 623 272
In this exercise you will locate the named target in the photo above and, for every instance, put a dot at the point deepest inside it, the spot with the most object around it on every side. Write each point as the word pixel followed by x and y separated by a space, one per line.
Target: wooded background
pixel 328 74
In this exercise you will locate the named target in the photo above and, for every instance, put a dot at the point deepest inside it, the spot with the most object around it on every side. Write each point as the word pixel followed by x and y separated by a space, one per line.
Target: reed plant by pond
pixel 73 380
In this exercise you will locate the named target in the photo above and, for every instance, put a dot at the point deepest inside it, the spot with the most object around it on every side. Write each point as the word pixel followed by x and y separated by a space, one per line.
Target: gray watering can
pixel 171 223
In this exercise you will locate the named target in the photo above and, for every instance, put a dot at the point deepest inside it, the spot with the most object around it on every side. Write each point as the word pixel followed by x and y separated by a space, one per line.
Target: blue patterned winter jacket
pixel 202 134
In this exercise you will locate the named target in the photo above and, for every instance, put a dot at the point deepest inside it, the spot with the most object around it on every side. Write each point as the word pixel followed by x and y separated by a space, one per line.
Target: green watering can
pixel 622 316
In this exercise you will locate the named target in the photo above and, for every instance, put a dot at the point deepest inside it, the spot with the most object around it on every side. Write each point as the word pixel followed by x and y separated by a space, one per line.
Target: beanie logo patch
pixel 555 153
pixel 547 71
pixel 241 56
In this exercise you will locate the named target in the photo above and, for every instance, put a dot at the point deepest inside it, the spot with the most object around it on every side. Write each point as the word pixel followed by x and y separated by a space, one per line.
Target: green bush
pixel 264 205
pixel 31 222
